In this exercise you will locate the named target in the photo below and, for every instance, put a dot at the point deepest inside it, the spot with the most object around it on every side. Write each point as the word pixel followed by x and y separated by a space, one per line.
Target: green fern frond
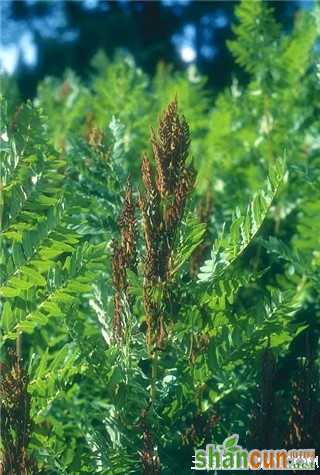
pixel 257 35
pixel 297 49
pixel 228 248
pixel 43 269
pixel 192 235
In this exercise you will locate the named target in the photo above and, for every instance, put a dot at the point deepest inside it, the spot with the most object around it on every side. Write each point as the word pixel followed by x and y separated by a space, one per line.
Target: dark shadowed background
pixel 40 38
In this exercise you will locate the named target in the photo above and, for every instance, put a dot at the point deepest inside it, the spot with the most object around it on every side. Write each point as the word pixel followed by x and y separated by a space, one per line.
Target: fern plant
pixel 44 263
pixel 159 285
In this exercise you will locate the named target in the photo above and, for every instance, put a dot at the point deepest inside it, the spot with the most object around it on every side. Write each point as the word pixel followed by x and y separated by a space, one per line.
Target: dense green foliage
pixel 142 321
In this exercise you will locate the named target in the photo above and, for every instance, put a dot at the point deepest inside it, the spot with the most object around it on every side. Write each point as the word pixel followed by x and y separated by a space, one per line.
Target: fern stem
pixel 154 373
pixel 19 348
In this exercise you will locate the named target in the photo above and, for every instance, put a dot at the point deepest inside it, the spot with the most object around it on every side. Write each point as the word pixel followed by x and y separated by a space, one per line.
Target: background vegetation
pixel 160 273
pixel 41 38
